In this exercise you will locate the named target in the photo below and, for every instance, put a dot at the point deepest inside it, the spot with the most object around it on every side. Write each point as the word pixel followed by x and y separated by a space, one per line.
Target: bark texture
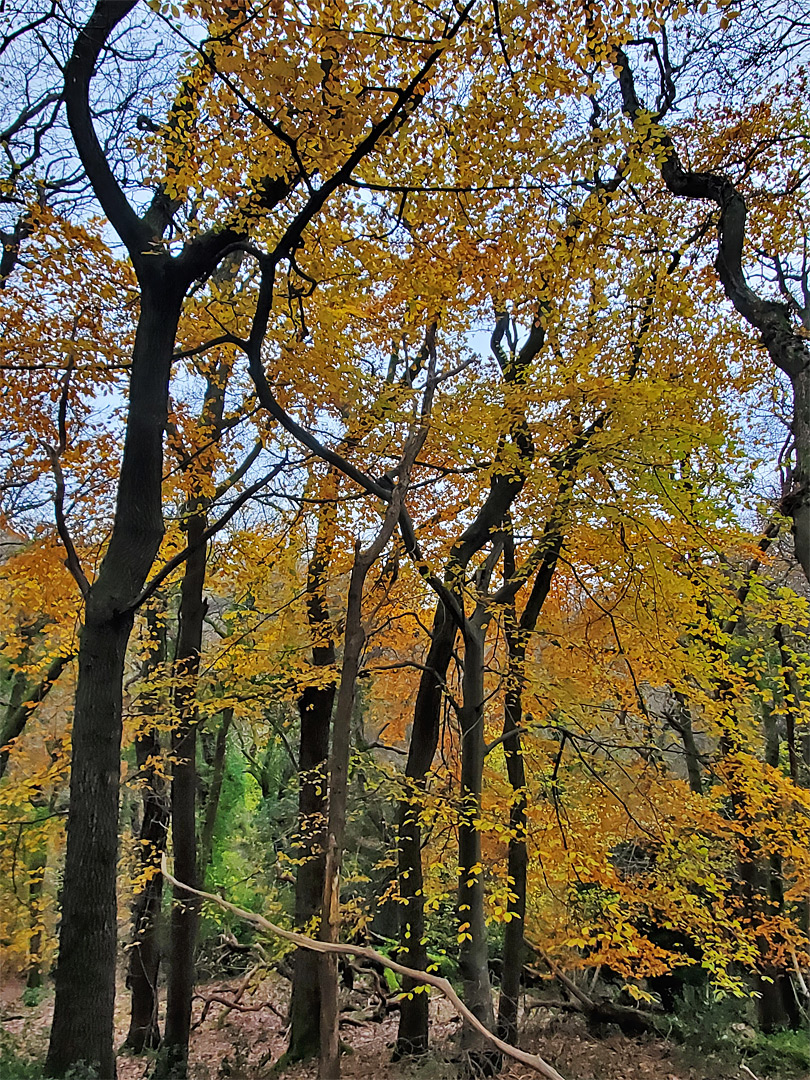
pixel 82 1028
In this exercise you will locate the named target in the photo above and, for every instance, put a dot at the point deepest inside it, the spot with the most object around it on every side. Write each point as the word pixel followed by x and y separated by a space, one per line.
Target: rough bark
pixel 82 1028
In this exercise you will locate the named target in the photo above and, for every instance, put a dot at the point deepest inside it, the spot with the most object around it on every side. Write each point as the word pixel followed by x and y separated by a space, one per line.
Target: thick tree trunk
pixel 315 709
pixel 473 953
pixel 82 1028
pixel 412 1035
pixel 185 909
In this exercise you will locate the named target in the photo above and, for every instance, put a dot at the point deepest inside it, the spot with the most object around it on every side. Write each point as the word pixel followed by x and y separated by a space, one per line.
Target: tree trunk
pixel 412 1035
pixel 517 859
pixel 144 952
pixel 473 954
pixel 681 721
pixel 36 875
pixel 354 639
pixel 777 1007
pixel 82 1028
pixel 21 706
pixel 516 633
pixel 144 956
pixel 185 909
pixel 315 709
pixel 214 792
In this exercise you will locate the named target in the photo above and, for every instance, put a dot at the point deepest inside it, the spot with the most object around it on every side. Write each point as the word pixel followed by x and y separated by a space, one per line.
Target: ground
pixel 245 1045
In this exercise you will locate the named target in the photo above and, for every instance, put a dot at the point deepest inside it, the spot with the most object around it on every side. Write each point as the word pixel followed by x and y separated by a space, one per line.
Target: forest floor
pixel 246 1045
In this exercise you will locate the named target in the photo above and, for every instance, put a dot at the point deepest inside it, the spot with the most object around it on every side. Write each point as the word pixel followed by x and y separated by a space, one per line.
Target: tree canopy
pixel 405 515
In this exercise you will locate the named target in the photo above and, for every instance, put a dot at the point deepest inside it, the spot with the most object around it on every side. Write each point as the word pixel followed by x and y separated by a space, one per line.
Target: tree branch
pixel 339 949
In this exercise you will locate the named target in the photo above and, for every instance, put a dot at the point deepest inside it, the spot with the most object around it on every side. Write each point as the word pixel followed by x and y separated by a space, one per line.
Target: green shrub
pixel 785 1053
pixel 15 1064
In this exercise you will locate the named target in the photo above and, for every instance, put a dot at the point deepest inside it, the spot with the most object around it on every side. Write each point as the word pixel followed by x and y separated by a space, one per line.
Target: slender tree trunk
pixel 517 859
pixel 412 1035
pixel 354 639
pixel 473 953
pixel 681 721
pixel 82 1028
pixel 144 952
pixel 144 956
pixel 36 875
pixel 185 909
pixel 315 709
pixel 21 706
pixel 777 1007
pixel 516 632
pixel 214 792
pixel 792 696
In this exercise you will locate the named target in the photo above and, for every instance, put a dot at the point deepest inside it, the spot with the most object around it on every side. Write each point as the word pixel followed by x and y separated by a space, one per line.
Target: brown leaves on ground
pixel 246 1045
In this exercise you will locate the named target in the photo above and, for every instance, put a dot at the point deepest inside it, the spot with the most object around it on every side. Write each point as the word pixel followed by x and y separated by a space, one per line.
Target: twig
pixel 337 948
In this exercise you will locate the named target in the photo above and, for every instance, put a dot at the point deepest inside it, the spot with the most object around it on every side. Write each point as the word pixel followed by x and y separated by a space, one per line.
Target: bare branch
pixel 336 948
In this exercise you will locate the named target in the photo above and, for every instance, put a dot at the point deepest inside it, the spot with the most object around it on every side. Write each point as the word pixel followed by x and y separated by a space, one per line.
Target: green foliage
pixel 32 995
pixel 15 1064
pixel 785 1053
pixel 710 1026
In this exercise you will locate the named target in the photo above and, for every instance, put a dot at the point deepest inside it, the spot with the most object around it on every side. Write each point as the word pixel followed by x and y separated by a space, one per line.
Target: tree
pixel 81 1031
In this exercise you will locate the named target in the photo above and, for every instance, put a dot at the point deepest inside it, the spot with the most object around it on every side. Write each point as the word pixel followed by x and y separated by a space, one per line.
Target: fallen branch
pixel 631 1021
pixel 215 999
pixel 337 948
pixel 541 1003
